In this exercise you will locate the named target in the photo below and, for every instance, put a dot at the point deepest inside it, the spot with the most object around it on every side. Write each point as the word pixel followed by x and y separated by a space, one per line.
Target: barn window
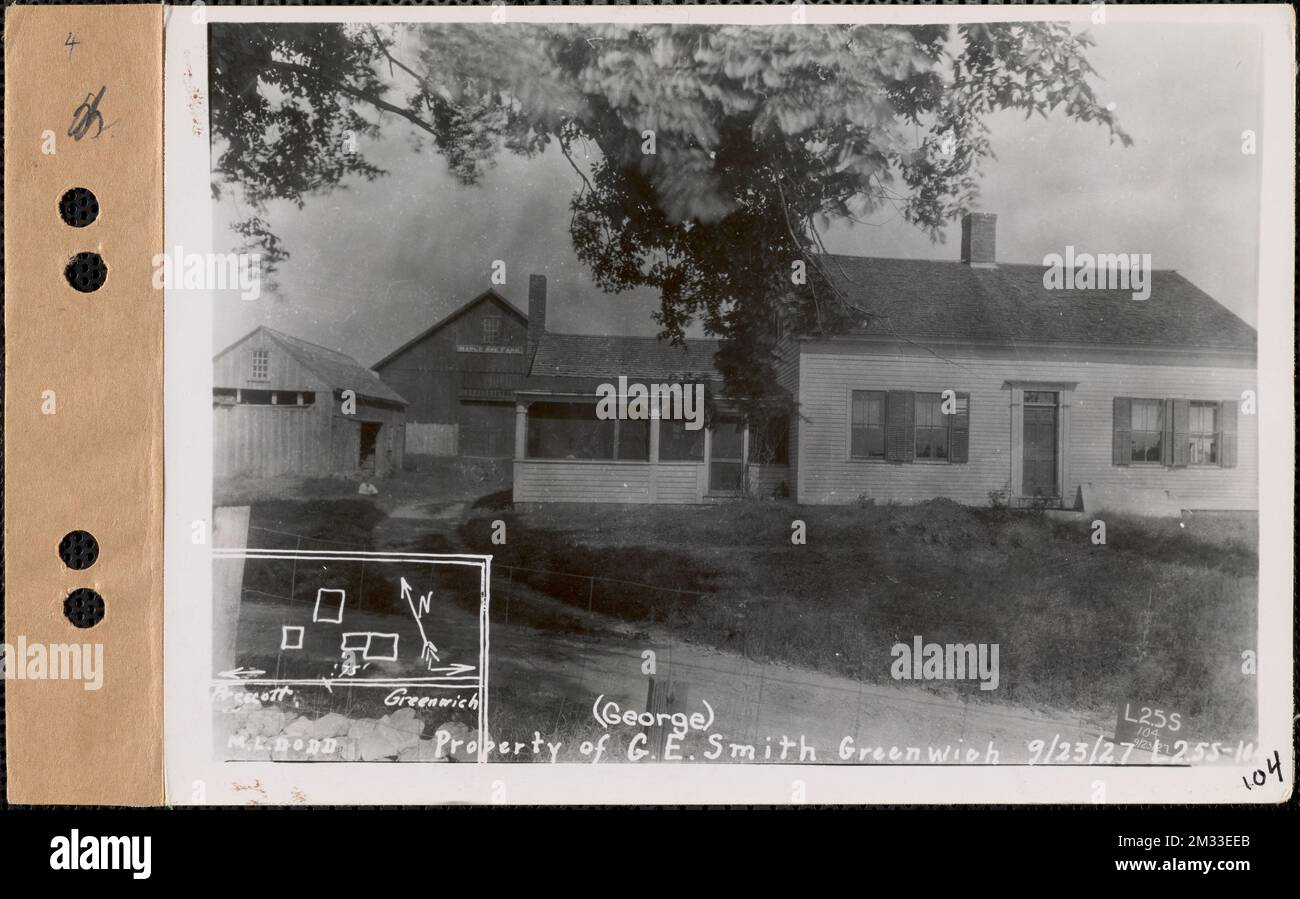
pixel 1203 433
pixel 931 427
pixel 1146 440
pixel 267 397
pixel 492 330
pixel 867 426
pixel 261 366
pixel 677 444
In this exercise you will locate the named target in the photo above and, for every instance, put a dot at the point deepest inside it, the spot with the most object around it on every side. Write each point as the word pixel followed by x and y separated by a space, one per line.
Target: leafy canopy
pixel 723 153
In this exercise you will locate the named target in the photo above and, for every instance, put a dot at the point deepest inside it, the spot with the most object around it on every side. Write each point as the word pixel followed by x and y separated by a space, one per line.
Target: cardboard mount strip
pixel 83 402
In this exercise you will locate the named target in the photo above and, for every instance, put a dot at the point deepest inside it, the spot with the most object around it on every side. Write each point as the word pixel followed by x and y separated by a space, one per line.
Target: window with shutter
pixel 931 427
pixel 867 424
pixel 1147 438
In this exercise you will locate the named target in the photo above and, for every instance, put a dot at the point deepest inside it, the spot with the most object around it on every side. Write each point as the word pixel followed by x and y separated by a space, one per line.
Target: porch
pixel 565 453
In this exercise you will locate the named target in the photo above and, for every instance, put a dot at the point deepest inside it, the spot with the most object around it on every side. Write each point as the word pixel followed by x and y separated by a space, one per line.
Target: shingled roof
pixel 923 299
pixel 336 369
pixel 590 357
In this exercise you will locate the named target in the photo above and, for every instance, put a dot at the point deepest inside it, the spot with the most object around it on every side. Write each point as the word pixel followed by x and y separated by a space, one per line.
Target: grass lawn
pixel 1160 613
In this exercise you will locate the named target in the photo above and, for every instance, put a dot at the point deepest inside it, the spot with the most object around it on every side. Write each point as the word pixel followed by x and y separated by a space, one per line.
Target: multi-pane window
pixel 1147 437
pixel 931 427
pixel 568 431
pixel 492 330
pixel 679 444
pixel 1203 433
pixel 867 427
pixel 909 426
pixel 261 366
pixel 573 431
pixel 633 440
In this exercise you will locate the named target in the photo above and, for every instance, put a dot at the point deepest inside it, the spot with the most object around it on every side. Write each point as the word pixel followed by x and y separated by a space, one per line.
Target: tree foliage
pixel 724 153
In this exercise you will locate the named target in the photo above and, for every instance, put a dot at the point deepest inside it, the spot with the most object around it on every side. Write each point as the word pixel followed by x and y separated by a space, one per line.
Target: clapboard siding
pixel 270 440
pixel 826 475
pixel 538 480
pixel 431 439
pixel 679 482
pixel 267 441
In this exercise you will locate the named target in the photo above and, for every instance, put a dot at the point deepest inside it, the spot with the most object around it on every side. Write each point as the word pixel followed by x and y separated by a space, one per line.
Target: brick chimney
pixel 536 311
pixel 979 232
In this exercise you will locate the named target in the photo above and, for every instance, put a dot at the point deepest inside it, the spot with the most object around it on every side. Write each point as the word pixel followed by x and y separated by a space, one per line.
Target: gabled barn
pixel 460 376
pixel 283 406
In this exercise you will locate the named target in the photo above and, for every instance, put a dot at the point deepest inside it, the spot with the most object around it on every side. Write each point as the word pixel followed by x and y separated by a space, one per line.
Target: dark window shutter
pixel 1122 431
pixel 1167 434
pixel 1228 434
pixel 959 431
pixel 1182 450
pixel 900 426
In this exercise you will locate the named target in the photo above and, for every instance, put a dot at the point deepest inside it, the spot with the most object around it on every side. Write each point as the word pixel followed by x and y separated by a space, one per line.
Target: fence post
pixel 662 698
pixel 229 531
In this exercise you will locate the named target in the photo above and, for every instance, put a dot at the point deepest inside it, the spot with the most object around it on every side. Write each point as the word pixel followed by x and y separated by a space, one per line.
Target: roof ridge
pixel 954 262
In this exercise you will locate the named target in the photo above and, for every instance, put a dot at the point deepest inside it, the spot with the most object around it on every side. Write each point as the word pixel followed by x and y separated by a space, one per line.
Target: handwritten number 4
pixel 71 43
pixel 1261 775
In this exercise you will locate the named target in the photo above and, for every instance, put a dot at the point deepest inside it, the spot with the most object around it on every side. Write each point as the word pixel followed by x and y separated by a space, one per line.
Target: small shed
pixel 283 406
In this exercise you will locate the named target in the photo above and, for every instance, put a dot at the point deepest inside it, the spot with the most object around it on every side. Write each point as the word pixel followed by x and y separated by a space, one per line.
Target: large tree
pixel 724 153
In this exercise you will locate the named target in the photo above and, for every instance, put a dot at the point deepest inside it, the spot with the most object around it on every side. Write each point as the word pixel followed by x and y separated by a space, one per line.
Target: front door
pixel 726 455
pixel 1040 444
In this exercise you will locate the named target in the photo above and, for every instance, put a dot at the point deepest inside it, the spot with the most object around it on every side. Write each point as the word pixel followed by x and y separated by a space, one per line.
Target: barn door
pixel 369 448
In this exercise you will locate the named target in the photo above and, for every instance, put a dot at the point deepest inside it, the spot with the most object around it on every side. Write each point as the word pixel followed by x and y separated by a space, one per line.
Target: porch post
pixel 521 430
pixel 1063 447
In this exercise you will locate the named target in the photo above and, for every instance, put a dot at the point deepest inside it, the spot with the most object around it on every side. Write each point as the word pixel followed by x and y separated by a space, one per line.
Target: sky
pixel 374 265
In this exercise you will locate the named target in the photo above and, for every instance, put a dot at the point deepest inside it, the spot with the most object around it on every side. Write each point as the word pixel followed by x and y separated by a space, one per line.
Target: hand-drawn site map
pixel 325 639
pixel 724 394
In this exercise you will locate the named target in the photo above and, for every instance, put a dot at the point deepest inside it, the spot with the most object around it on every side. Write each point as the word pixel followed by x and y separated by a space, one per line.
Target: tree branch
pixel 356 93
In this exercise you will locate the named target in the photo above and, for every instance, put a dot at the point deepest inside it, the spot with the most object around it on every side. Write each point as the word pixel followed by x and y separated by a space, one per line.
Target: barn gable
pixel 266 359
pixel 459 376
